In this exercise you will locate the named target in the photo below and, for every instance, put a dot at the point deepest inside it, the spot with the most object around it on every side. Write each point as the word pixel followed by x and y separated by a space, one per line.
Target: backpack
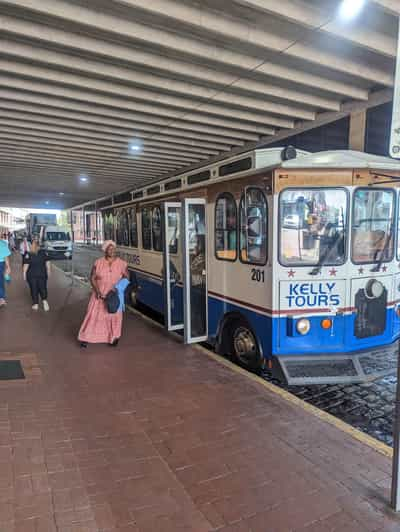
pixel 112 302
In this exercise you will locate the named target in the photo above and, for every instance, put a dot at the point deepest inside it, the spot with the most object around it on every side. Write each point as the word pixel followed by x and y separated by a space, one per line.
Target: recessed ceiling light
pixel 350 8
pixel 135 145
pixel 83 178
pixel 47 202
pixel 61 193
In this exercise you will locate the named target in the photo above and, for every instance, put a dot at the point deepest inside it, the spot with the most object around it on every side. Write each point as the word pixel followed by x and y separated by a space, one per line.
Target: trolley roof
pixel 342 159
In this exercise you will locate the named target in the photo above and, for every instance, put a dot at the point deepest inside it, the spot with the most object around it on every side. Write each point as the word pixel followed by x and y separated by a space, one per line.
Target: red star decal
pixel 291 273
pixel 384 268
pixel 360 271
pixel 333 272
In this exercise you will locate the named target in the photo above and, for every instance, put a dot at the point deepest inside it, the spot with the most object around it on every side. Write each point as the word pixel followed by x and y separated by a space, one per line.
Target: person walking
pixel 99 326
pixel 11 241
pixel 36 270
pixel 24 247
pixel 5 270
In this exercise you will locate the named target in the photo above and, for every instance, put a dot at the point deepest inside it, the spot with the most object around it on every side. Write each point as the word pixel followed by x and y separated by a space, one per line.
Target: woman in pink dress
pixel 99 326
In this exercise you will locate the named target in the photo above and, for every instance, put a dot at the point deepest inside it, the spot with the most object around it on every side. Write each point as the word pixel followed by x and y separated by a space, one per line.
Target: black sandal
pixel 114 343
pixel 84 345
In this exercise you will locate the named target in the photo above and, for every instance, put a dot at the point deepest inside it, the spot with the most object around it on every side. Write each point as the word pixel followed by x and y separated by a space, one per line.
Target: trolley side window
pixel 108 225
pixel 133 229
pixel 253 227
pixel 146 228
pixel 156 229
pixel 173 230
pixel 313 226
pixel 122 228
pixel 226 227
pixel 373 225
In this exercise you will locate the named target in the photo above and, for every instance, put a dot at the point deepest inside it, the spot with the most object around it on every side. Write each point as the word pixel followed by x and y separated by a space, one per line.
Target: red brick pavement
pixel 154 436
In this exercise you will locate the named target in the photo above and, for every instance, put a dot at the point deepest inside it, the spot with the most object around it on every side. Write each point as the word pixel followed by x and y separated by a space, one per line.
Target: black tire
pixel 243 346
pixel 132 299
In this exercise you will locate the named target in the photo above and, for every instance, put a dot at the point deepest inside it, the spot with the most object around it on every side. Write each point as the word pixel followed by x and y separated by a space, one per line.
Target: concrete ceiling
pixel 189 80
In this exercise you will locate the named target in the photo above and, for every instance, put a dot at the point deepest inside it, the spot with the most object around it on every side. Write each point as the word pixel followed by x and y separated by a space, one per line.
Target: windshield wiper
pixel 378 265
pixel 316 270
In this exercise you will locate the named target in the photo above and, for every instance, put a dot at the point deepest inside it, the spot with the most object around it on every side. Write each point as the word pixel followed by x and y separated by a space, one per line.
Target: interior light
pixel 61 193
pixel 83 178
pixel 350 8
pixel 47 202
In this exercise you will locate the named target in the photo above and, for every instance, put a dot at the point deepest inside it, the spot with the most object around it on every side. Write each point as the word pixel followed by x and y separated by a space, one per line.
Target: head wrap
pixel 108 243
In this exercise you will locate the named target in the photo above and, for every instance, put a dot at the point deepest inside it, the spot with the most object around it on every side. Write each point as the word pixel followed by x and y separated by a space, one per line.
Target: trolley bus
pixel 276 257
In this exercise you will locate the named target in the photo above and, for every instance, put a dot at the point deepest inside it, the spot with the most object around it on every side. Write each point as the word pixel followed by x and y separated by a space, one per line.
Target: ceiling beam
pixel 221 105
pixel 239 129
pixel 184 28
pixel 210 68
pixel 252 94
pixel 97 137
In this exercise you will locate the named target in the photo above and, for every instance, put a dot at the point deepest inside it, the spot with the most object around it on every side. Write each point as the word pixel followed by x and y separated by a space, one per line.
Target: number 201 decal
pixel 257 275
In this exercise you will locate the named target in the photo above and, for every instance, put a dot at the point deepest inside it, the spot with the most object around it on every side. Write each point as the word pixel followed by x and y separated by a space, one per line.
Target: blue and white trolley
pixel 275 257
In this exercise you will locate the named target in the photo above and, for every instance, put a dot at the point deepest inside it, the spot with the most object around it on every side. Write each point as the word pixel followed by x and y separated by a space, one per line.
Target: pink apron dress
pixel 99 326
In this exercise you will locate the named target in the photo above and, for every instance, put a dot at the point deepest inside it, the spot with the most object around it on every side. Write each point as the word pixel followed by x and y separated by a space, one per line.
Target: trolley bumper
pixel 346 368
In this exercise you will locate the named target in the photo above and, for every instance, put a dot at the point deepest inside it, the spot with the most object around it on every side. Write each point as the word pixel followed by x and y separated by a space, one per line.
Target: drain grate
pixel 11 370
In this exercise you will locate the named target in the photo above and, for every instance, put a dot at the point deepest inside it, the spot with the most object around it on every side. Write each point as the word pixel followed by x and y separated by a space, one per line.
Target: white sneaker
pixel 46 306
pixel 35 307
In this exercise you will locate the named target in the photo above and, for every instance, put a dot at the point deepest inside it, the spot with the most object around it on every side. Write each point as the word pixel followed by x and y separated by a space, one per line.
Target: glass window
pixel 313 227
pixel 57 235
pixel 156 229
pixel 253 227
pixel 122 228
pixel 108 225
pixel 133 230
pixel 173 229
pixel 225 227
pixel 146 228
pixel 373 213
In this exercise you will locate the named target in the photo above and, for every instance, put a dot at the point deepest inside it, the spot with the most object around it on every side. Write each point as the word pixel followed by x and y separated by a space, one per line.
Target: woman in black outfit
pixel 36 271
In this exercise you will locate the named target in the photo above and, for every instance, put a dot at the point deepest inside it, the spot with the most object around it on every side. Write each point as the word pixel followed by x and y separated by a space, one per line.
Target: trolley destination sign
pixel 312 295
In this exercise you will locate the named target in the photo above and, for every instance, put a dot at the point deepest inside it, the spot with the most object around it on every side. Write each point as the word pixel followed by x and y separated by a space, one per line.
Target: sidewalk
pixel 153 436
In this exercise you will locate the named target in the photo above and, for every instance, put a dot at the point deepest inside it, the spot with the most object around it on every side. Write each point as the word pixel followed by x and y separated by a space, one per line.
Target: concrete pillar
pixel 358 121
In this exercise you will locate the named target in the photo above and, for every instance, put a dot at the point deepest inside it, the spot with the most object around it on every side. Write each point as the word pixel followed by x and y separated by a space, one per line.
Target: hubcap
pixel 133 298
pixel 245 345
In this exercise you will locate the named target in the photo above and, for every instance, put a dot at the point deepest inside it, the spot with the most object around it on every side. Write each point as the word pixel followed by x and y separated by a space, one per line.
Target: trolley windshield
pixel 373 217
pixel 57 235
pixel 313 226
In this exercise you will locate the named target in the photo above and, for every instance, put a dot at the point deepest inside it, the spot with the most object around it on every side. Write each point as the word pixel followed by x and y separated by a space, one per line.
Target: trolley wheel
pixel 133 298
pixel 243 346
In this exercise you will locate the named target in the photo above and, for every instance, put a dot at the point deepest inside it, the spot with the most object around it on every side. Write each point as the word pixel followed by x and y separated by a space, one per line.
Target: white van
pixel 56 241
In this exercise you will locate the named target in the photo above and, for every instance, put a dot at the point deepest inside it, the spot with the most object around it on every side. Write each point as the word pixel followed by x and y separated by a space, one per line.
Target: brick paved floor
pixel 156 437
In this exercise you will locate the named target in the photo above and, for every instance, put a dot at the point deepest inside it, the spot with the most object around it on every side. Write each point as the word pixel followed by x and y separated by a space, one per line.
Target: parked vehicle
pixel 57 242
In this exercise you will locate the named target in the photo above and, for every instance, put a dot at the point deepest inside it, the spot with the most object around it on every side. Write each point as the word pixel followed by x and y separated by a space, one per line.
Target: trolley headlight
pixel 374 288
pixel 303 326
